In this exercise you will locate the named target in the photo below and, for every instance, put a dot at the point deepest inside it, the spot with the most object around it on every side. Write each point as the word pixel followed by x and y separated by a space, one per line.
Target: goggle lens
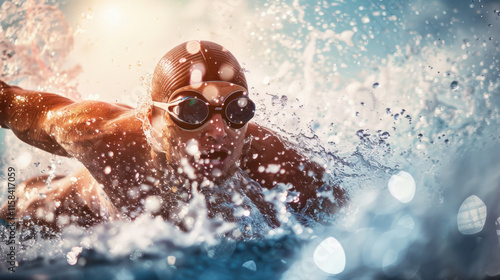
pixel 240 110
pixel 192 111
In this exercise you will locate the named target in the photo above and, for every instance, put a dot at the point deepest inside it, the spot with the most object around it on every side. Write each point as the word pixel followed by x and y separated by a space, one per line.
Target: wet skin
pixel 122 169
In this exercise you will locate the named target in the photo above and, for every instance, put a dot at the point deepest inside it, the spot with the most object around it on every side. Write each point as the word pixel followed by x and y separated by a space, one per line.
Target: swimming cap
pixel 194 62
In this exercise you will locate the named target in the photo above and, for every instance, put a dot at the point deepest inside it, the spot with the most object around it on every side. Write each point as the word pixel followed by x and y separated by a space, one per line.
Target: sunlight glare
pixel 112 16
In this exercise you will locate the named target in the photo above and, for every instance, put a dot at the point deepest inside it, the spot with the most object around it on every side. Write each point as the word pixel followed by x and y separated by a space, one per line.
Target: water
pixel 399 101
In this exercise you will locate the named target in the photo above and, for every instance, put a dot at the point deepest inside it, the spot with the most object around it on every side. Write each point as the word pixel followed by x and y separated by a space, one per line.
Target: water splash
pixel 36 41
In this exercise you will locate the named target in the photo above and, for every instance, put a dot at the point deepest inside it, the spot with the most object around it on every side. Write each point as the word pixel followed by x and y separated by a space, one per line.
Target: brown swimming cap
pixel 194 62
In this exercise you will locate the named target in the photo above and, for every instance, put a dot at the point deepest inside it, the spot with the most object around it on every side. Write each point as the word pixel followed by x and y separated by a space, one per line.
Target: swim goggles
pixel 193 111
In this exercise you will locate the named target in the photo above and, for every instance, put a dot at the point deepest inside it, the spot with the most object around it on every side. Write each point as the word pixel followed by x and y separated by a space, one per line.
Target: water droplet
pixel 216 172
pixel 152 203
pixel 72 256
pixel 360 133
pixel 242 102
pixel 273 168
pixel 454 85
pixel 471 215
pixel 192 147
pixel 329 256
pixel 284 100
pixel 402 186
pixel 376 85
pixel 107 170
pixel 171 260
pixel 250 265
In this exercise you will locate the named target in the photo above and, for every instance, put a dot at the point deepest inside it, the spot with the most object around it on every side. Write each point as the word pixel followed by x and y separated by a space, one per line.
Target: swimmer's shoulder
pixel 263 137
pixel 258 131
pixel 95 118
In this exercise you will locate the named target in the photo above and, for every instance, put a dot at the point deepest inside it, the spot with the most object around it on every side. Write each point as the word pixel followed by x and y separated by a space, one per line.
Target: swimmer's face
pixel 214 149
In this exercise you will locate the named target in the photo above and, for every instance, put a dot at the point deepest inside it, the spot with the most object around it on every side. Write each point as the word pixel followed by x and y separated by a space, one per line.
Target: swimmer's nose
pixel 216 128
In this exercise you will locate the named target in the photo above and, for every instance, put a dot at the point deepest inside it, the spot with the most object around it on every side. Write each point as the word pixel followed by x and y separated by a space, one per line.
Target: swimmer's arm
pixel 57 124
pixel 271 161
pixel 22 111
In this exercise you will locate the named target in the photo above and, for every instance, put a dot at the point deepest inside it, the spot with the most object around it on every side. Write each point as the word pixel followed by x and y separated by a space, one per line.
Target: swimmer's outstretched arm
pixel 24 113
pixel 60 125
pixel 271 161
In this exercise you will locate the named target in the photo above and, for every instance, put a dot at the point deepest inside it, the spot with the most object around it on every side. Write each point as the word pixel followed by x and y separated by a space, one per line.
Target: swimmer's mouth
pixel 214 156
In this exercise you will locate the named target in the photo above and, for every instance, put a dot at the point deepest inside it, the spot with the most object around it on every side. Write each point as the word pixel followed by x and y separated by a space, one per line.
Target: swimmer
pixel 197 134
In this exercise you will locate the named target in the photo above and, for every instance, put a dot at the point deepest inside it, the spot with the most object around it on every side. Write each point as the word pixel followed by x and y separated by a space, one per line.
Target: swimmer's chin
pixel 216 175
